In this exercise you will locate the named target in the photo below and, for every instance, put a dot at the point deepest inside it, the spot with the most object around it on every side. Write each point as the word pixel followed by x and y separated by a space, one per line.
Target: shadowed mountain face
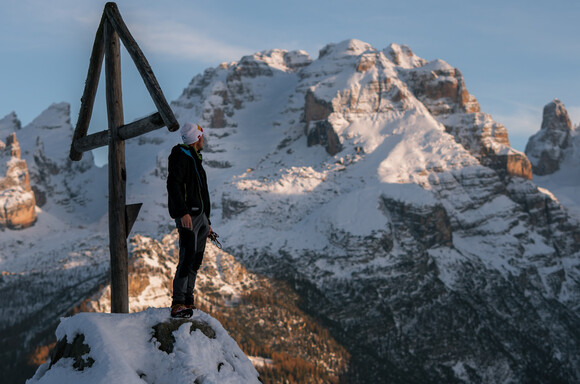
pixel 371 181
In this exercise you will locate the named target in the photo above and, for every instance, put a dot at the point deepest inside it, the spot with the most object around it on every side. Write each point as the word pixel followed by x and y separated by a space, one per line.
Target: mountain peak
pixel 8 124
pixel 403 57
pixel 277 59
pixel 351 47
pixel 547 147
pixel 54 117
pixel 556 117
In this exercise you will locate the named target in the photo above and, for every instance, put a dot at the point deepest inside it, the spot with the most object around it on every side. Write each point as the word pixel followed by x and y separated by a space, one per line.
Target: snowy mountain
pixel 371 182
pixel 409 224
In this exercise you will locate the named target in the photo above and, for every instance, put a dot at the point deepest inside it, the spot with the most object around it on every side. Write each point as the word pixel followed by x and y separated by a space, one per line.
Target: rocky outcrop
pixel 316 109
pixel 323 134
pixel 17 201
pixel 546 149
pixel 488 142
pixel 318 129
pixel 510 162
pixel 441 88
pixel 429 226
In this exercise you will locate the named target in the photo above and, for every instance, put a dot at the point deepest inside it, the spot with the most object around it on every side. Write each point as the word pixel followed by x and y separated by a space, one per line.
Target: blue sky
pixel 516 56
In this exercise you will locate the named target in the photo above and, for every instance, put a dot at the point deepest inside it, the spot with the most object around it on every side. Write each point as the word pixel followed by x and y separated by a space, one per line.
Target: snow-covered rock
pixel 547 148
pixel 146 347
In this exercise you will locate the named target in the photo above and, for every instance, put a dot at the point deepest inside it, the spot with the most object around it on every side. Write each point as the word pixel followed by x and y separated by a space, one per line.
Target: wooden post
pixel 112 30
pixel 117 175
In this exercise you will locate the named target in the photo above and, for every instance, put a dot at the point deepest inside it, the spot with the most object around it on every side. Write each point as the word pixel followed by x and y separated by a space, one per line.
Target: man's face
pixel 198 145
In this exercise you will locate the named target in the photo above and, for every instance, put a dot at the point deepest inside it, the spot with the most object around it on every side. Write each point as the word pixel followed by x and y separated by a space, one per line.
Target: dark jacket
pixel 187 190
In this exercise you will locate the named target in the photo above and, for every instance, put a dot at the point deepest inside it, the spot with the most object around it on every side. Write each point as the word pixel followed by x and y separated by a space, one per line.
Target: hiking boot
pixel 181 310
pixel 191 306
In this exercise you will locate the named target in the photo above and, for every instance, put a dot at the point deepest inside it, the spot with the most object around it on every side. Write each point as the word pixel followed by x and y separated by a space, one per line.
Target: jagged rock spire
pixel 546 148
pixel 17 200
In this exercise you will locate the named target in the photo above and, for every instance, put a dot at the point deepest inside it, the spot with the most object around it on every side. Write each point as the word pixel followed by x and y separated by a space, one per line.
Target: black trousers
pixel 191 249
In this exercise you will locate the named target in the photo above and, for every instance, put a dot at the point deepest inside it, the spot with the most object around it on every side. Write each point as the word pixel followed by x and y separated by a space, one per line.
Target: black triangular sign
pixel 131 213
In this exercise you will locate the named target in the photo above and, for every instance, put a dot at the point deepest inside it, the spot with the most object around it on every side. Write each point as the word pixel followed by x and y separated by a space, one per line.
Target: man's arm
pixel 176 187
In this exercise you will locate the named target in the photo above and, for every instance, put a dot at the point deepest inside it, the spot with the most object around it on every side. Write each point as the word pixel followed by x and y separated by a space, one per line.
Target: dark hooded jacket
pixel 187 189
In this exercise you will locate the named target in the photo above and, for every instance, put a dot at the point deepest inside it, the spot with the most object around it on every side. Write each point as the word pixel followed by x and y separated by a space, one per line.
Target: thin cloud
pixel 521 121
pixel 63 20
pixel 180 41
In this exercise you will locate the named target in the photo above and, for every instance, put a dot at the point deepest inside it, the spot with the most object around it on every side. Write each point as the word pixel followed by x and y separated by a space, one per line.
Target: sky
pixel 516 56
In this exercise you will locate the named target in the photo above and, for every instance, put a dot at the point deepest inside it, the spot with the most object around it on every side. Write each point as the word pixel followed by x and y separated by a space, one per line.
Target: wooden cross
pixel 121 216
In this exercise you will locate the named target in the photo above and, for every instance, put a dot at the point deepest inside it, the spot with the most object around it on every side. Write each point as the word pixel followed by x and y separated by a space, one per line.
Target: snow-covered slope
pixel 371 181
pixel 145 347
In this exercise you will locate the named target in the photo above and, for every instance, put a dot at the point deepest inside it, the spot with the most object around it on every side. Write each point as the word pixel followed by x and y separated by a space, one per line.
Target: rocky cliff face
pixel 546 149
pixel 17 202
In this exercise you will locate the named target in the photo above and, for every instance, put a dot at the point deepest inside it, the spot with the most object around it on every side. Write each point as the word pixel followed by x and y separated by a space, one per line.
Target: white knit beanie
pixel 191 133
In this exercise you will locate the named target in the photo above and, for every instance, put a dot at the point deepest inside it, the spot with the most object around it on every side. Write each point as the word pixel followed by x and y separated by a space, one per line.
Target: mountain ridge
pixel 372 183
pixel 480 193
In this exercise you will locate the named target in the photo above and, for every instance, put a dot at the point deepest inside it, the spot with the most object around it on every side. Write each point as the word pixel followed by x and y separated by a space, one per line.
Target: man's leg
pixel 201 230
pixel 187 245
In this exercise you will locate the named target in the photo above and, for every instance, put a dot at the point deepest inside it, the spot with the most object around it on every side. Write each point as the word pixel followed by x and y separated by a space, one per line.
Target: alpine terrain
pixel 376 224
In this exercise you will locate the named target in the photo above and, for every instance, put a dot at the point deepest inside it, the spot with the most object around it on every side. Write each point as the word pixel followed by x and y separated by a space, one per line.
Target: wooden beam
pixel 142 66
pixel 117 175
pixel 90 142
pixel 126 132
pixel 91 85
pixel 139 127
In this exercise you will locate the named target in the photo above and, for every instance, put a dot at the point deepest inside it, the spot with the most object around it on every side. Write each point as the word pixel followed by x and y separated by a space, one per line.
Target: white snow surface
pixel 124 350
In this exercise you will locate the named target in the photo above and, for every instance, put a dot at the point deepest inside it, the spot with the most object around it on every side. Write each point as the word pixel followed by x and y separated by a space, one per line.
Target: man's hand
pixel 186 222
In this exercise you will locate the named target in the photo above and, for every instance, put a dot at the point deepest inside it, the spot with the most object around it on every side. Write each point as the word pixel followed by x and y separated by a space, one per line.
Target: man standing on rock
pixel 189 205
